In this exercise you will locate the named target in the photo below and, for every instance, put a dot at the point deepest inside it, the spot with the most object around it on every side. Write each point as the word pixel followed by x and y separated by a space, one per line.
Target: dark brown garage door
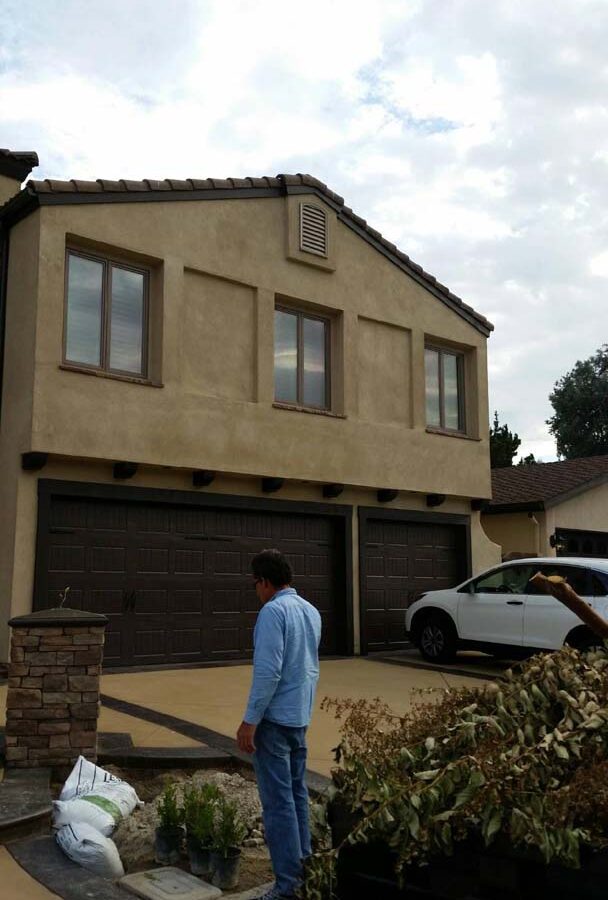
pixel 401 559
pixel 573 542
pixel 174 580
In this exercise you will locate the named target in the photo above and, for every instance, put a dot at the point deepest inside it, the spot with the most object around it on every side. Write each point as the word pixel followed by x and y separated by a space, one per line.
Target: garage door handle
pixel 515 602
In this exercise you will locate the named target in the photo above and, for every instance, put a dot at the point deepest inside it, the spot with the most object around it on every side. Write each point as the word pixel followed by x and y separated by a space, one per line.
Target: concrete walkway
pixel 215 699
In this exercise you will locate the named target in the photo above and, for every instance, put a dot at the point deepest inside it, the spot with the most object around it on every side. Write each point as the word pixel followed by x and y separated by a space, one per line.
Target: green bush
pixel 169 813
pixel 525 759
pixel 229 830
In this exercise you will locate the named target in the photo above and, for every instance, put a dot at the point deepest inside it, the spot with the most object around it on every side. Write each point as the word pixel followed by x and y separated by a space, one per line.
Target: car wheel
pixel 583 639
pixel 437 639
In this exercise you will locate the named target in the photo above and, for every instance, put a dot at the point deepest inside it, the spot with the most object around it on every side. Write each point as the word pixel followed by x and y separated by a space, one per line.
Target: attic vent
pixel 313 229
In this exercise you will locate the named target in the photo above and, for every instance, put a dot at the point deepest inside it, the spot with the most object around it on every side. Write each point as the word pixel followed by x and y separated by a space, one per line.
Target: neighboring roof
pixel 17 164
pixel 536 486
pixel 50 191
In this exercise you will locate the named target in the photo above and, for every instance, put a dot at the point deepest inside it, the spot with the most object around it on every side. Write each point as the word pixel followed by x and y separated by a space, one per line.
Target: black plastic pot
pixel 474 872
pixel 167 845
pixel 200 858
pixel 226 868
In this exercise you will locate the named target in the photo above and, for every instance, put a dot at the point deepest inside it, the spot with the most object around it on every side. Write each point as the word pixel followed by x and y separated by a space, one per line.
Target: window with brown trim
pixel 444 380
pixel 106 314
pixel 301 358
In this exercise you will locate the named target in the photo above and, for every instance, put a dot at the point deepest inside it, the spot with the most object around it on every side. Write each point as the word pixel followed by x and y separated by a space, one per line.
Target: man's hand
pixel 244 737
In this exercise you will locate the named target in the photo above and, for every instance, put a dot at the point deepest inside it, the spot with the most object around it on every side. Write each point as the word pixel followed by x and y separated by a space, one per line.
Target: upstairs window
pixel 301 358
pixel 444 374
pixel 313 229
pixel 106 315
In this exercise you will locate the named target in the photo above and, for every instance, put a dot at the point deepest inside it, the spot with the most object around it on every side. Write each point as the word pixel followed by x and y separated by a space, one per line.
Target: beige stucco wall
pixel 8 188
pixel 483 552
pixel 16 410
pixel 218 267
pixel 518 533
pixel 221 265
pixel 587 511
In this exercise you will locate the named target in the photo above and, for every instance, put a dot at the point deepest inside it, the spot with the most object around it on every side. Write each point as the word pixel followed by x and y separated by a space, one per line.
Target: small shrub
pixel 229 830
pixel 169 813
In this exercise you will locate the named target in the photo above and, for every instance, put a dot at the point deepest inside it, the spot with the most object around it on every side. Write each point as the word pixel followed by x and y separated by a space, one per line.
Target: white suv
pixel 501 613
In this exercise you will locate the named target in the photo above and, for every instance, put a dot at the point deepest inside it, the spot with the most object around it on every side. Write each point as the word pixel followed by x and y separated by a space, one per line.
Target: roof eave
pixel 496 509
pixel 18 207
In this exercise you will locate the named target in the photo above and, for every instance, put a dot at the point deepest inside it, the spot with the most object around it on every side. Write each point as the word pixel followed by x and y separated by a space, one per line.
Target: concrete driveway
pixel 215 698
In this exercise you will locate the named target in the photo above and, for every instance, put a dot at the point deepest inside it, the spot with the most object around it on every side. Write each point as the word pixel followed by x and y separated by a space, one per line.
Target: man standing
pixel 285 674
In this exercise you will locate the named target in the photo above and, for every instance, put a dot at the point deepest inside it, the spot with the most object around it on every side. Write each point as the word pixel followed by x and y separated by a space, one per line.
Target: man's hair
pixel 271 564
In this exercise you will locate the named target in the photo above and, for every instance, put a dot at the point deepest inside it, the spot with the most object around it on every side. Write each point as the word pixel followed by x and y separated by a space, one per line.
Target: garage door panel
pixel 401 559
pixel 107 559
pixel 113 653
pixel 107 517
pixel 188 602
pixel 152 560
pixel 148 519
pixel 69 513
pixel 189 562
pixel 69 558
pixel 175 581
pixel 150 645
pixel 106 602
pixel 224 602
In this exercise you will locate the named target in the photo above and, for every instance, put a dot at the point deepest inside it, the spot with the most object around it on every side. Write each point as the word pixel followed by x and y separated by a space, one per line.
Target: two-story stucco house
pixel 195 370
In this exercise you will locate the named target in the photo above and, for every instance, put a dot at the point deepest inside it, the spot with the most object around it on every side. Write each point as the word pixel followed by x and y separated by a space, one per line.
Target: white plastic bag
pixel 91 850
pixel 85 777
pixel 103 808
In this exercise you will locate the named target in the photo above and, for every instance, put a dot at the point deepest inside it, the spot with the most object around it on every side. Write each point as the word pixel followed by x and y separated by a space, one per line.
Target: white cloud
pixel 473 134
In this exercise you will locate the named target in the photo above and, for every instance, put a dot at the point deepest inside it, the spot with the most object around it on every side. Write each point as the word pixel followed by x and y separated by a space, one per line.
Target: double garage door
pixel 173 576
pixel 174 579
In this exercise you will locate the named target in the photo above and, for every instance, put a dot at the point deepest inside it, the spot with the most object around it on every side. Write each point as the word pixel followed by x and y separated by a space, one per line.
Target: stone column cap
pixel 58 616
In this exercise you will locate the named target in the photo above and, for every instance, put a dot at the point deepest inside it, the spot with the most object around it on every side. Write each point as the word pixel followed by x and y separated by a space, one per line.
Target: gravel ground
pixel 134 837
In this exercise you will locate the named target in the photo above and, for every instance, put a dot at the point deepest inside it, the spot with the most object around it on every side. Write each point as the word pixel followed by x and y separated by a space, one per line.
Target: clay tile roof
pixel 283 183
pixel 545 482
pixel 17 164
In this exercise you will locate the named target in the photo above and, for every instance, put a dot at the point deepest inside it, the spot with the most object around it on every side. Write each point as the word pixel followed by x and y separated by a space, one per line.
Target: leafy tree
pixel 580 400
pixel 527 460
pixel 503 444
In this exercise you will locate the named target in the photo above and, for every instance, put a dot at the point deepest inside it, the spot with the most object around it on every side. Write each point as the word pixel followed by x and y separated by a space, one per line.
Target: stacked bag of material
pixel 90 806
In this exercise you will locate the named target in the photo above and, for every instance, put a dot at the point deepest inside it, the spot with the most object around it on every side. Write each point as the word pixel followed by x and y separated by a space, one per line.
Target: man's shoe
pixel 273 894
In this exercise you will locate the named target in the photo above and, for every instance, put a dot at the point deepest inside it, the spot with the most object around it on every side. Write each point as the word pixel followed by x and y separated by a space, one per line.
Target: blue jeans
pixel 280 767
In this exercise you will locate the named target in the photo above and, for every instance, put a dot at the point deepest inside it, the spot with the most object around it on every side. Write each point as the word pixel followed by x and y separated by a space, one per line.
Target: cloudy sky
pixel 472 133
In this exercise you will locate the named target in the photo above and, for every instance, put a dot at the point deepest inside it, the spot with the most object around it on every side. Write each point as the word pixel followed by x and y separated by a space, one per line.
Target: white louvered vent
pixel 313 229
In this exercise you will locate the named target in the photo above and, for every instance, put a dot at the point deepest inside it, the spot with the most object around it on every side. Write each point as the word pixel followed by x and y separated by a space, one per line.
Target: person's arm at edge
pixel 267 667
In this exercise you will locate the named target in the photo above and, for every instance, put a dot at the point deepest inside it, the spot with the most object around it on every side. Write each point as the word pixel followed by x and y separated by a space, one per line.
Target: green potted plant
pixel 169 833
pixel 198 815
pixel 228 833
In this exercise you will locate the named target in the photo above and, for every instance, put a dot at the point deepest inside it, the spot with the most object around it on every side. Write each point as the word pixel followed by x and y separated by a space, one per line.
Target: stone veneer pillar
pixel 52 704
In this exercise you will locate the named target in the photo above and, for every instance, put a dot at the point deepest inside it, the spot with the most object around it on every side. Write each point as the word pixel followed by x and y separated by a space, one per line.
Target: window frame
pixel 109 262
pixel 460 381
pixel 302 314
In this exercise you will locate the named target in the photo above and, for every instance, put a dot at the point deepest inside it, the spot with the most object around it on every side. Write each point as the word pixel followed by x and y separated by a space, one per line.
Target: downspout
pixel 536 523
pixel 4 249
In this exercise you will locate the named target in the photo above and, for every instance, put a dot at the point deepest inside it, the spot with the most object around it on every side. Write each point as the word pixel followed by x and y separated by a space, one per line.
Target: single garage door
pixel 175 580
pixel 400 560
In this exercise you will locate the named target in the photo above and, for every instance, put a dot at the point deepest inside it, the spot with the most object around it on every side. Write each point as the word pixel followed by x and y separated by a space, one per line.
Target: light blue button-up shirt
pixel 285 661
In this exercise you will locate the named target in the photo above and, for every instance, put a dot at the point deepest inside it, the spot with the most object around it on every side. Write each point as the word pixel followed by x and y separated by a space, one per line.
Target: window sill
pixel 454 434
pixel 308 409
pixel 132 379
